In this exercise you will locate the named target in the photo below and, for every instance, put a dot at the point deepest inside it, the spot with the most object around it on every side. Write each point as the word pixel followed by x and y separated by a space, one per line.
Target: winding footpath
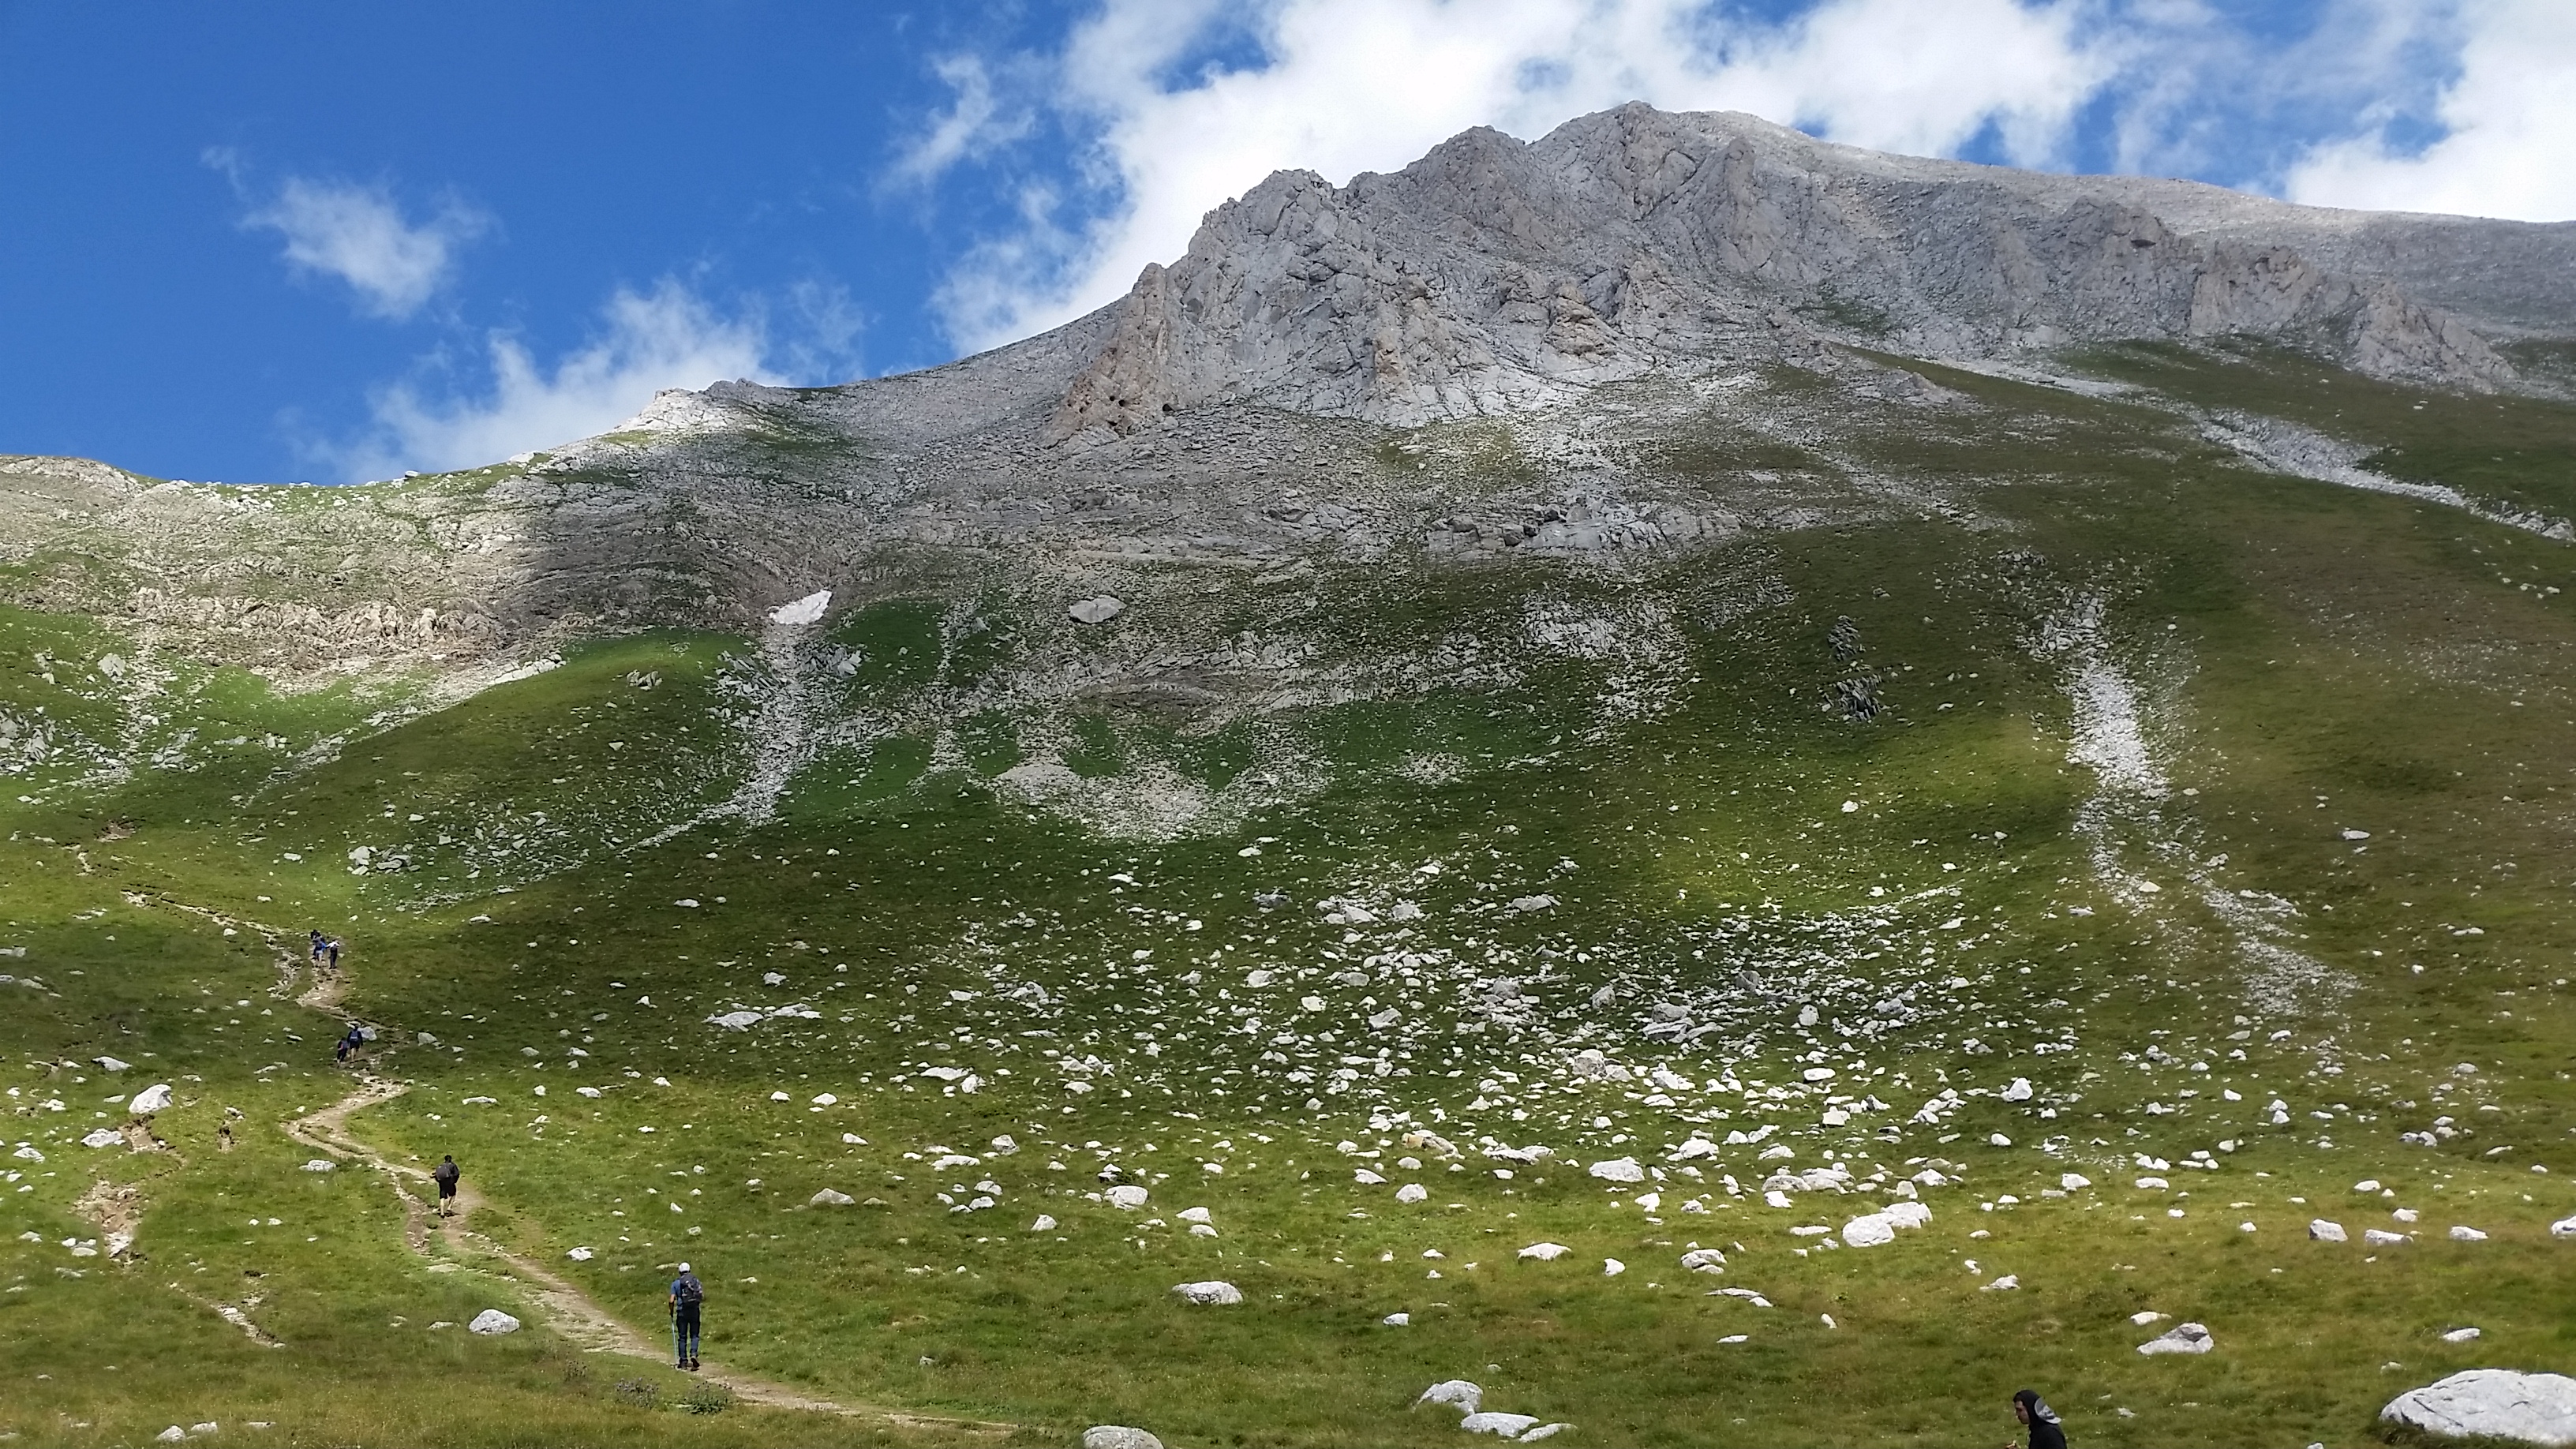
pixel 569 1310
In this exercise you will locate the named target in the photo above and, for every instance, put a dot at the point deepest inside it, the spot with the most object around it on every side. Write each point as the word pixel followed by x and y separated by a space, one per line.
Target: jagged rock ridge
pixel 1494 275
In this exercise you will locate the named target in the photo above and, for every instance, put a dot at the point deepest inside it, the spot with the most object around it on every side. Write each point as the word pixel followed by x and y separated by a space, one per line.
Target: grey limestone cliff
pixel 1494 274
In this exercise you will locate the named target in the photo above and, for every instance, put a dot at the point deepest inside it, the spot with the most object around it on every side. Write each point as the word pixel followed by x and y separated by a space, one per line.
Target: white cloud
pixel 359 235
pixel 1355 85
pixel 668 337
pixel 973 125
pixel 2509 124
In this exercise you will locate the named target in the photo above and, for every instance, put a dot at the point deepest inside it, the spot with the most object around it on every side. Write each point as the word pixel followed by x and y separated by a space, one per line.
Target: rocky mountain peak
pixel 1495 275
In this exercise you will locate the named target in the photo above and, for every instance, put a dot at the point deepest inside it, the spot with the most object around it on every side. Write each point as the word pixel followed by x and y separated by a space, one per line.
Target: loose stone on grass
pixel 2182 1338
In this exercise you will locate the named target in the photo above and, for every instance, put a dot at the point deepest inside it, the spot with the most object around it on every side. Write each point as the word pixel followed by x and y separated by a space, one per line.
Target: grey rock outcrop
pixel 2492 1404
pixel 1495 275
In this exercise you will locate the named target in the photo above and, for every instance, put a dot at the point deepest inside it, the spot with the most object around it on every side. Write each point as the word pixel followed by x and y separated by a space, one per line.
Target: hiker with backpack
pixel 688 1297
pixel 445 1175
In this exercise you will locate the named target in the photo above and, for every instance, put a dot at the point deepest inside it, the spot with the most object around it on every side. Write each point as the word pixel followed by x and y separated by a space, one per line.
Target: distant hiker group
pixel 325 950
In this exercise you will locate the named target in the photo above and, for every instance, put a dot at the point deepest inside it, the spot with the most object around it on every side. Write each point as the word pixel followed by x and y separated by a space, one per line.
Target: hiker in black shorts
pixel 445 1175
pixel 688 1298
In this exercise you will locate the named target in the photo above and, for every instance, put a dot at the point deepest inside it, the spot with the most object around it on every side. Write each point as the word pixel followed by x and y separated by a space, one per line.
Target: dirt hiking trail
pixel 570 1311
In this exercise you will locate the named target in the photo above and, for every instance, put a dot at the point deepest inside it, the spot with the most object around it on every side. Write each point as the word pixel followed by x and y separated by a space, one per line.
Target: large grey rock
pixel 2492 1404
pixel 2181 1338
pixel 492 1321
pixel 1118 1436
pixel 1213 1293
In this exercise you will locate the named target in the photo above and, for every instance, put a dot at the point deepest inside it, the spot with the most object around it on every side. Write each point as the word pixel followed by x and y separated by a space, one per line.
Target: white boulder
pixel 2181 1338
pixel 2073 1181
pixel 1044 1224
pixel 1545 1252
pixel 1412 1192
pixel 155 1098
pixel 807 610
pixel 1126 1197
pixel 1118 1436
pixel 2461 1335
pixel 830 1197
pixel 1906 1214
pixel 2563 1228
pixel 2461 1234
pixel 102 1137
pixel 1870 1230
pixel 1508 1426
pixel 1704 1260
pixel 492 1321
pixel 321 1164
pixel 2326 1232
pixel 1618 1169
pixel 1458 1394
pixel 1215 1293
pixel 1097 610
pixel 2492 1404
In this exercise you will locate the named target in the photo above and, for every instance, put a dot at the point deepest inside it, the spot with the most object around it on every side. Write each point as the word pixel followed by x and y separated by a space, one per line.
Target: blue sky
pixel 333 242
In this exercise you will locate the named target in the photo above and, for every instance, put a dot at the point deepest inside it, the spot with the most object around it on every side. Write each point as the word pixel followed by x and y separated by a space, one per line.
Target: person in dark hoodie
pixel 2045 1431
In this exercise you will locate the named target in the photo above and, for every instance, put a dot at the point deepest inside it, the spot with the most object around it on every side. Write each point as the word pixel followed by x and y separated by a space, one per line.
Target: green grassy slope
pixel 2191 789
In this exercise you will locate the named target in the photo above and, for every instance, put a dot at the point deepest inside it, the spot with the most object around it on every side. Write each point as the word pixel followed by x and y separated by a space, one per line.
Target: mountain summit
pixel 1506 347
pixel 1494 275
